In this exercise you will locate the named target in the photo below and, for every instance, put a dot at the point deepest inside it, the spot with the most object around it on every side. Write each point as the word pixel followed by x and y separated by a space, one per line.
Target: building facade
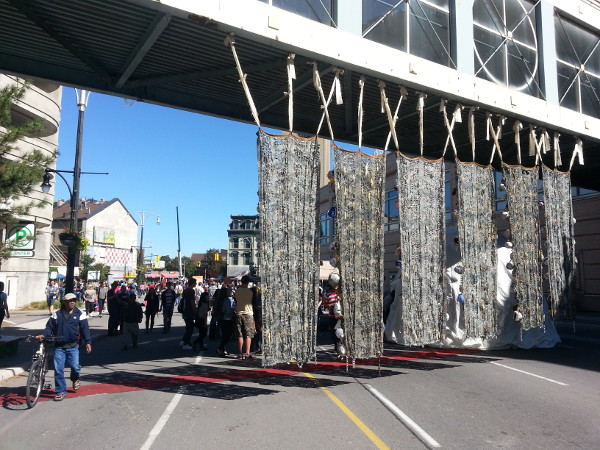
pixel 111 230
pixel 25 274
pixel 243 244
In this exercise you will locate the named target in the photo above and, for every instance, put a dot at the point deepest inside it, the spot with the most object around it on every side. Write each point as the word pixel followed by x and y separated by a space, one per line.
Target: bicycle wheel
pixel 35 383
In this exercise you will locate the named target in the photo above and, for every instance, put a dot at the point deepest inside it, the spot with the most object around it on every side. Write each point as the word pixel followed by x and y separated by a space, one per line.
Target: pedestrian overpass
pixel 172 53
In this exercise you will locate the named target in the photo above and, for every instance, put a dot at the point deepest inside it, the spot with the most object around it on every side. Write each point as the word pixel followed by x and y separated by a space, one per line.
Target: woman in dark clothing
pixel 224 309
pixel 152 304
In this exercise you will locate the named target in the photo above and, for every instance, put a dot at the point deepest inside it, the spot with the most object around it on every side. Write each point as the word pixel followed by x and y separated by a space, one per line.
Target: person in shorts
pixel 244 318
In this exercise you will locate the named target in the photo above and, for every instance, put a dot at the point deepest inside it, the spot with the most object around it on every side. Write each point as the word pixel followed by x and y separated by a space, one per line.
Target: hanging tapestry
pixel 522 199
pixel 560 248
pixel 288 168
pixel 359 190
pixel 477 240
pixel 422 230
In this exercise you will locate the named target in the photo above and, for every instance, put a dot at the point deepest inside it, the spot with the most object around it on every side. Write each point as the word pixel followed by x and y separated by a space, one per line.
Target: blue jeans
pixel 65 357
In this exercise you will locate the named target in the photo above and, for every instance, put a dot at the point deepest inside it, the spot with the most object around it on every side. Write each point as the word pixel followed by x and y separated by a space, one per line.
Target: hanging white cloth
pixel 517 127
pixel 335 87
pixel 496 134
pixel 456 117
pixel 291 73
pixel 471 128
pixel 420 108
pixel 577 152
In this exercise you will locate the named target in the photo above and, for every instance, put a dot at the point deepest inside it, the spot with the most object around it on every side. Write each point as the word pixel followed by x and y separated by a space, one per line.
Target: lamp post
pixel 140 261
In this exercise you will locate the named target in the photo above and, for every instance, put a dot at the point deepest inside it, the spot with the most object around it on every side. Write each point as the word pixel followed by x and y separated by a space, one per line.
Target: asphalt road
pixel 161 397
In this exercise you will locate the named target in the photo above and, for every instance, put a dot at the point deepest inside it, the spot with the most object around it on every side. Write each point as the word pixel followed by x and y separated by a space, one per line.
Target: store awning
pixel 170 274
pixel 153 275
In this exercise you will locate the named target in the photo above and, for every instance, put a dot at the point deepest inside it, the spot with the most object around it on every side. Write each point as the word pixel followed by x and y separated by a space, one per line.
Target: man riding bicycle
pixel 70 323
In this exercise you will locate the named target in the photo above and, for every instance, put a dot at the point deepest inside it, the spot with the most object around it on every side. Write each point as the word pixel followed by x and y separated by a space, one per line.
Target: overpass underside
pixel 172 53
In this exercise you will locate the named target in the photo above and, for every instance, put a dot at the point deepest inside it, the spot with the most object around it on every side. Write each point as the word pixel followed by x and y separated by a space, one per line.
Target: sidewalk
pixel 24 323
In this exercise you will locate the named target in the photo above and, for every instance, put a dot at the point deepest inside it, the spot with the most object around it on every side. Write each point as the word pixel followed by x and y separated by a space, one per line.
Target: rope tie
pixel 577 151
pixel 517 127
pixel 496 134
pixel 385 107
pixel 319 87
pixel 291 72
pixel 230 41
pixel 420 107
pixel 535 145
pixel 456 117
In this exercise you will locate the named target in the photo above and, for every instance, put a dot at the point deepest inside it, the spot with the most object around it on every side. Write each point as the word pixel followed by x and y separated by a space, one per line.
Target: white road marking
pixel 529 373
pixel 407 421
pixel 162 421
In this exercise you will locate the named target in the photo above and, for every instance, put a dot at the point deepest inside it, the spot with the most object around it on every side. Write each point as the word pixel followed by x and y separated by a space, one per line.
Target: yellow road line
pixel 359 423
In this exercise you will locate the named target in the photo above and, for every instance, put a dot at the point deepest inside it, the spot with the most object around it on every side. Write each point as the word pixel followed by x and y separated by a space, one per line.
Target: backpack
pixel 181 305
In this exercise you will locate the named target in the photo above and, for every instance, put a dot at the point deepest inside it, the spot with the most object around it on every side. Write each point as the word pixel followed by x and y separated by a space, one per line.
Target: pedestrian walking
pixel 224 309
pixel 152 307
pixel 201 320
pixel 3 304
pixel 188 297
pixel 244 318
pixel 90 299
pixel 132 317
pixel 70 323
pixel 51 295
pixel 167 304
pixel 112 304
pixel 102 293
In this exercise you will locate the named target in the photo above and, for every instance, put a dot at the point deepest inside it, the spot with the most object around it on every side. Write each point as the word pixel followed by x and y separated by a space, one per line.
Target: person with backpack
pixel 132 316
pixel 187 308
pixel 167 305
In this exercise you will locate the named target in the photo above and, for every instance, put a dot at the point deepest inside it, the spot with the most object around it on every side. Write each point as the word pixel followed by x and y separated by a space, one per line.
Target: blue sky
pixel 160 158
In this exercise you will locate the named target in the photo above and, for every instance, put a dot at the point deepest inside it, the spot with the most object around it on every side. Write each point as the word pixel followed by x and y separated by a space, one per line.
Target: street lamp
pixel 140 262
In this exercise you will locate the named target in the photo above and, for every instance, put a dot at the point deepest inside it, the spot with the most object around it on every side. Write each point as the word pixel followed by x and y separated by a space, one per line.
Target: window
pixel 418 27
pixel 247 259
pixel 579 192
pixel 578 67
pixel 234 258
pixel 247 242
pixel 235 242
pixel 319 10
pixel 390 212
pixel 325 231
pixel 506 44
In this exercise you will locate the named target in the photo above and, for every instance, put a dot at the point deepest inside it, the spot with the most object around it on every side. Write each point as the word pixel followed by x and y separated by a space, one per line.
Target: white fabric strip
pixel 361 84
pixel 456 117
pixel 420 107
pixel 577 151
pixel 517 127
pixel 557 158
pixel 471 127
pixel 229 40
pixel 291 72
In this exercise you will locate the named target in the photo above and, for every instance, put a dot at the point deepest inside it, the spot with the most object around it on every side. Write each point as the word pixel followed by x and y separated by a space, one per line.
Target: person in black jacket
pixel 152 306
pixel 132 315
pixel 71 324
pixel 112 304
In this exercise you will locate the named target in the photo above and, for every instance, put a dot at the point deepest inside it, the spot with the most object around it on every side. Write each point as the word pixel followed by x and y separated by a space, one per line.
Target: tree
pixel 214 267
pixel 20 169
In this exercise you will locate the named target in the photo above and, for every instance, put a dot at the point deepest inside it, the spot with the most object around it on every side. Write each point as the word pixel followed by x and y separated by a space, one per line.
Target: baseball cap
pixel 70 296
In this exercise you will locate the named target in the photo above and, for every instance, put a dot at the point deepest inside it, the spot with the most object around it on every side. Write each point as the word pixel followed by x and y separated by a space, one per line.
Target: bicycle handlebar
pixel 30 338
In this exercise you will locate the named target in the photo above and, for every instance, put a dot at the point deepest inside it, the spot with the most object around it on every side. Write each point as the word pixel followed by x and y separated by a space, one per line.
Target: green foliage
pixel 20 169
pixel 87 264
pixel 215 269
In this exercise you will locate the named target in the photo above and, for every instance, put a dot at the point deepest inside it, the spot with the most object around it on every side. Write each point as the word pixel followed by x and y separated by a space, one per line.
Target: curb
pixel 10 372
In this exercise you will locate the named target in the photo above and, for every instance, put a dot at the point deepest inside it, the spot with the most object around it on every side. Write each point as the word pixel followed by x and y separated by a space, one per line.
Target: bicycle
pixel 37 371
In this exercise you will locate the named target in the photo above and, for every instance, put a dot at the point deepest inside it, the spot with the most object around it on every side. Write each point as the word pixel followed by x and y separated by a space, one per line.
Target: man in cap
pixel 71 325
